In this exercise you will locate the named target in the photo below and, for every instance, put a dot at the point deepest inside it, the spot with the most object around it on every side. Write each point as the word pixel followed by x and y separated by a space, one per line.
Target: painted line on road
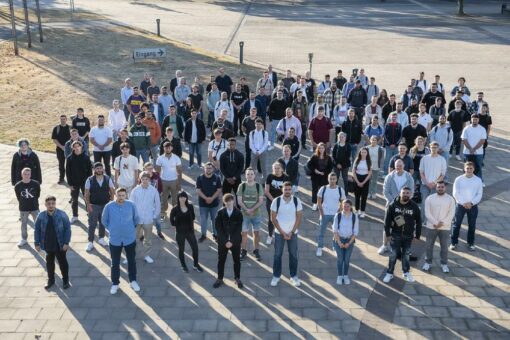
pixel 238 26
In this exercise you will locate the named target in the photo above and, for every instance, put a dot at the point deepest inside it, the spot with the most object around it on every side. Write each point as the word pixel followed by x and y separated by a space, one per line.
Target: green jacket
pixel 140 136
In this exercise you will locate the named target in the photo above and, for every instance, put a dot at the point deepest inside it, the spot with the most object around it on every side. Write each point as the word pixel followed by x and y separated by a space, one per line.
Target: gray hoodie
pixel 390 189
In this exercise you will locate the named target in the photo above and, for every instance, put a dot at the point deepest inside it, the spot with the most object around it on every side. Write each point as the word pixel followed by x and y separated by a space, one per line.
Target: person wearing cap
pixel 78 169
pixel 25 158
pixel 99 190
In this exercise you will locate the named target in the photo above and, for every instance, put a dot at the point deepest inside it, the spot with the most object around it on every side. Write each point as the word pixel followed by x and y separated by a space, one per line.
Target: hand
pixel 72 188
pixel 431 185
pixel 468 205
pixel 228 244
pixel 208 200
pixel 249 211
pixel 65 247
pixel 288 236
pixel 359 184
pixel 339 166
pixel 38 248
pixel 439 225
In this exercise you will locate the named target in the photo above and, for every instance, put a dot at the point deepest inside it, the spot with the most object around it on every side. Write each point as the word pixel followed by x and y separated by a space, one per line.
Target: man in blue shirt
pixel 120 219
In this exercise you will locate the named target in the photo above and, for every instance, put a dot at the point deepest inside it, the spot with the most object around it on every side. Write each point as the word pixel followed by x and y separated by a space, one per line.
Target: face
pixel 373 141
pixel 250 175
pixel 399 107
pixel 414 120
pixel 98 170
pixel 193 115
pixel 173 110
pixel 100 121
pixel 26 175
pixel 434 148
pixel 351 114
pixel 375 121
pixel 474 121
pixel 208 170
pixel 288 113
pixel 145 181
pixel 420 142
pixel 74 135
pixel 125 151
pixel 136 92
pixel 469 169
pixel 342 138
pixel 442 120
pixel 138 121
pixel 229 204
pixel 363 153
pixel 259 126
pixel 168 149
pixel 238 87
pixel 346 207
pixel 116 104
pixel 399 166
pixel 393 118
pixel 182 199
pixel 287 190
pixel 402 149
pixel 405 195
pixel 164 91
pixel 50 205
pixel 149 169
pixel 440 188
pixel 63 120
pixel 292 133
pixel 286 152
pixel 77 148
pixel 322 148
pixel 221 70
pixel 232 145
pixel 121 197
pixel 332 180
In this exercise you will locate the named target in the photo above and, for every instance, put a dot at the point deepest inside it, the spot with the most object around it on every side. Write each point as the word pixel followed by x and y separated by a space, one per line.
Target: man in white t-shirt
pixel 215 149
pixel 101 137
pixel 286 215
pixel 432 170
pixel 116 120
pixel 473 137
pixel 126 168
pixel 328 198
pixel 425 119
pixel 169 167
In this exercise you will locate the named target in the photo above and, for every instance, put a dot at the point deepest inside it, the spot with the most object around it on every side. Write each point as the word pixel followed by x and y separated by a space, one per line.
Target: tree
pixel 460 5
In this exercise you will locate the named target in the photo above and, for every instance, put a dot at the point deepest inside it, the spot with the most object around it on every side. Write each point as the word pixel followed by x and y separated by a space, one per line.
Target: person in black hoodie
pixel 353 128
pixel 402 223
pixel 341 156
pixel 25 158
pixel 176 142
pixel 231 167
pixel 182 216
pixel 171 119
pixel 229 222
pixel 123 138
pixel 290 166
pixel 277 109
pixel 357 99
pixel 78 169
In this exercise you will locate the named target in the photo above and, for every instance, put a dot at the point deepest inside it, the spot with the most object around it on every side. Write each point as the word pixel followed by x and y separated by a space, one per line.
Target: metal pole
pixel 38 11
pixel 158 21
pixel 241 51
pixel 71 7
pixel 27 23
pixel 14 33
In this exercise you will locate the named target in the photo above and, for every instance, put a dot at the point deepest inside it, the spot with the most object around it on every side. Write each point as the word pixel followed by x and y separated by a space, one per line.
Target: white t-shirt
pixel 286 213
pixel 127 167
pixel 473 136
pixel 425 120
pixel 101 135
pixel 116 120
pixel 432 167
pixel 331 199
pixel 362 168
pixel 400 181
pixel 168 167
pixel 217 148
pixel 373 151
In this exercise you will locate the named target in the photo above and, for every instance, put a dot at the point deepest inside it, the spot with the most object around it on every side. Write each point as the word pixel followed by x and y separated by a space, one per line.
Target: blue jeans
pixel 279 243
pixel 144 154
pixel 389 153
pixel 272 134
pixel 324 221
pixel 343 256
pixel 472 214
pixel 154 151
pixel 157 223
pixel 211 213
pixel 400 247
pixel 115 252
pixel 478 160
pixel 354 151
pixel 195 148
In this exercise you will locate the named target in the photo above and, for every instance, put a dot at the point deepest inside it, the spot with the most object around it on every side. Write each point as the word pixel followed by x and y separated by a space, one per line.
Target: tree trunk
pixel 460 4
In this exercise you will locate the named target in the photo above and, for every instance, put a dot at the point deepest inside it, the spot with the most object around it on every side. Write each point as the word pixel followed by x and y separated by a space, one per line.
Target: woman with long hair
pixel 416 153
pixel 383 98
pixel 361 173
pixel 345 231
pixel 182 217
pixel 273 189
pixel 320 165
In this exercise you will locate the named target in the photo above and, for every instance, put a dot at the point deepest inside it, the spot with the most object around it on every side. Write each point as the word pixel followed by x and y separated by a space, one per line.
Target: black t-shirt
pixel 152 90
pixel 82 125
pixel 144 85
pixel 224 83
pixel 28 195
pixel 485 121
pixel 238 97
pixel 275 184
pixel 50 239
pixel 208 186
pixel 410 134
pixel 195 100
pixel 293 143
pixel 61 133
pixel 457 120
pixel 249 125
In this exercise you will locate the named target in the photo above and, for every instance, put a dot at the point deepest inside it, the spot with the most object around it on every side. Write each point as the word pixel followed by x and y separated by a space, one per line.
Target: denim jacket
pixel 61 224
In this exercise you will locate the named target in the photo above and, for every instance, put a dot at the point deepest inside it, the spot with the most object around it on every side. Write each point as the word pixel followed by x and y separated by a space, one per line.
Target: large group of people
pixel 361 140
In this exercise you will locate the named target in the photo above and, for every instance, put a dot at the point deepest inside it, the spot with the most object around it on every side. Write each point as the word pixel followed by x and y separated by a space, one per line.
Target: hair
pixel 146 164
pixel 258 120
pixel 21 141
pixel 145 174
pixel 317 152
pixel 441 182
pixel 80 109
pixel 287 184
pixel 26 170
pixel 169 129
pixel 232 139
pixel 249 169
pixel 469 163
pixel 73 130
pixel 228 197
pixel 123 145
pixel 182 193
pixel 414 149
pixel 405 188
pixel 100 116
pixel 119 190
pixel 358 158
pixel 50 198
pixel 331 174
pixel 278 164
pixel 76 142
pixel 414 115
pixel 345 201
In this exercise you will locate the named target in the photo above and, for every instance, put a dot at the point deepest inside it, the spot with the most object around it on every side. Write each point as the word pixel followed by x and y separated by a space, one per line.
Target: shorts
pixel 254 221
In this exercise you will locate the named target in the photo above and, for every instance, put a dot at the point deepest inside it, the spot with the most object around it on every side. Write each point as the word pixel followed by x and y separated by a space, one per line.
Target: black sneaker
pixel 49 284
pixel 61 181
pixel 239 284
pixel 66 285
pixel 142 238
pixel 202 238
pixel 243 254
pixel 413 258
pixel 160 235
pixel 217 283
pixel 257 254
pixel 185 269
pixel 198 268
pixel 215 238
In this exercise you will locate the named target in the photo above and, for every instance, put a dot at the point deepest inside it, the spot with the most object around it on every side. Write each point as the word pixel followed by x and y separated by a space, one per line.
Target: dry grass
pixel 84 66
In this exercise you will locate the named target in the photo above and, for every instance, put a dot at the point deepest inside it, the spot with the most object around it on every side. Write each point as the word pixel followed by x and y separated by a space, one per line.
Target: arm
pixel 67 230
pixel 267 193
pixel 37 232
pixel 299 217
pixel 428 212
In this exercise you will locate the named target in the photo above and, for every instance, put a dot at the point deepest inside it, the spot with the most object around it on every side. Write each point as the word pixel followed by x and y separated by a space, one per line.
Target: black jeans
pixel 227 187
pixel 317 182
pixel 361 194
pixel 270 225
pixel 304 129
pixel 62 263
pixel 457 142
pixel 75 194
pixel 61 164
pixel 344 174
pixel 104 157
pixel 236 257
pixel 115 252
pixel 247 153
pixel 238 121
pixel 400 247
pixel 181 238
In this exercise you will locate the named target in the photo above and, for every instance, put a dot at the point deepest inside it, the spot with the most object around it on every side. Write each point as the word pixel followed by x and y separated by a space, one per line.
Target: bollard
pixel 27 23
pixel 14 33
pixel 158 28
pixel 241 51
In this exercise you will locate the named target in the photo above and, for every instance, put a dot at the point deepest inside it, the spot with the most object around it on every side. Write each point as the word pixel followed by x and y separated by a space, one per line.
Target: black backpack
pixel 278 201
pixel 353 216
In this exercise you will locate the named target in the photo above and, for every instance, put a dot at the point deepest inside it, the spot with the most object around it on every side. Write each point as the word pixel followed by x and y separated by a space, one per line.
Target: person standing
pixel 146 200
pixel 341 156
pixel 376 153
pixel 27 192
pixel 155 135
pixel 238 99
pixel 248 125
pixel 443 135
pixel 320 165
pixel 78 169
pixel 217 146
pixel 290 167
pixel 176 142
pixel 116 119
pixel 467 191
pixel 293 142
pixel 258 145
pixel 286 215
pixel 474 137
pixel 345 231
pixel 277 109
pixel 361 173
pixel 194 136
pixel 169 167
pixel 353 128
pixel 120 218
pixel 320 130
pixel 208 188
pixel 60 135
pixel 287 123
pixel 156 182
pixel 457 119
pixel 432 170
pixel 82 124
pixel 392 137
pixel 53 235
pixel 99 190
pixel 272 189
pixel 126 169
pixel 125 93
pixel 231 166
pixel 402 223
pixel 25 158
pixel 101 137
pixel 141 138
pixel 439 211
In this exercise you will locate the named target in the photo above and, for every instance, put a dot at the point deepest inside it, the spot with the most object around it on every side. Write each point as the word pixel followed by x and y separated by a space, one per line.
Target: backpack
pixel 448 127
pixel 243 188
pixel 353 221
pixel 278 201
pixel 263 133
pixel 324 187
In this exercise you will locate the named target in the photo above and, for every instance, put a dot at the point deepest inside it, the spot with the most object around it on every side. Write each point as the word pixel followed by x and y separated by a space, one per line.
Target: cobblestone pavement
pixel 472 301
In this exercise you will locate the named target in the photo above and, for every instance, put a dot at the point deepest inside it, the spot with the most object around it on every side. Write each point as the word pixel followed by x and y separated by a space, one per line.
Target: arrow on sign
pixel 161 52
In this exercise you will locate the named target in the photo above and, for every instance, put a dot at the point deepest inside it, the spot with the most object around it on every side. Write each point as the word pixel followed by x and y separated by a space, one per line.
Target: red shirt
pixel 320 128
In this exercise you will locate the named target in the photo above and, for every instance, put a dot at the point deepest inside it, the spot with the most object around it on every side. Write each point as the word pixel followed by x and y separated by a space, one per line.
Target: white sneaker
pixel 135 286
pixel 382 249
pixel 472 247
pixel 22 242
pixel 362 214
pixel 74 219
pixel 426 267
pixel 314 207
pixel 295 281
pixel 269 240
pixel 311 149
pixel 114 289
pixel 148 259
pixel 347 281
pixel 457 157
pixel 409 277
pixel 445 268
pixel 124 261
pixel 274 281
pixel 102 242
pixel 270 148
pixel 452 247
pixel 89 247
pixel 319 252
pixel 387 278
pixel 339 280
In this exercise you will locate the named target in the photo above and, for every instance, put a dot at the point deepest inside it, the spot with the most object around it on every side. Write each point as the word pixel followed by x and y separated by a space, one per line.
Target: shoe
pixel 243 254
pixel 409 277
pixel 269 240
pixel 148 259
pixel 198 268
pixel 142 238
pixel 256 253
pixel 160 235
pixel 125 261
pixel 135 286
pixel 103 242
pixel 239 284
pixel 162 218
pixel 453 247
pixel 66 285
pixel 114 289
pixel 387 278
pixel 215 238
pixel 89 247
pixel 274 281
pixel 472 247
pixel 382 249
pixel 362 214
pixel 22 242
pixel 347 281
pixel 60 181
pixel 202 238
pixel 262 176
pixel 190 167
pixel 74 219
pixel 426 267
pixel 49 284
pixel 339 280
pixel 311 149
pixel 217 283
pixel 445 268
pixel 314 207
pixel 270 148
pixel 457 157
pixel 318 253
pixel 185 269
pixel 295 281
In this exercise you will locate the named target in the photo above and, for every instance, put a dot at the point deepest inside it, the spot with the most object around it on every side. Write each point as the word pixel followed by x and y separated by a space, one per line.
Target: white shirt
pixel 258 141
pixel 439 208
pixel 101 135
pixel 286 215
pixel 403 119
pixel 331 199
pixel 373 151
pixel 127 167
pixel 155 112
pixel 125 93
pixel 147 203
pixel 400 181
pixel 345 229
pixel 433 167
pixel 193 131
pixel 116 120
pixel 468 190
pixel 217 148
pixel 473 135
pixel 424 120
pixel 362 168
pixel 220 106
pixel 168 167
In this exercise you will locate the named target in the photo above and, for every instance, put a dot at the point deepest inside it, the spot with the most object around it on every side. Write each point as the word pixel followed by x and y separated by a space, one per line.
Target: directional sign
pixel 149 53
